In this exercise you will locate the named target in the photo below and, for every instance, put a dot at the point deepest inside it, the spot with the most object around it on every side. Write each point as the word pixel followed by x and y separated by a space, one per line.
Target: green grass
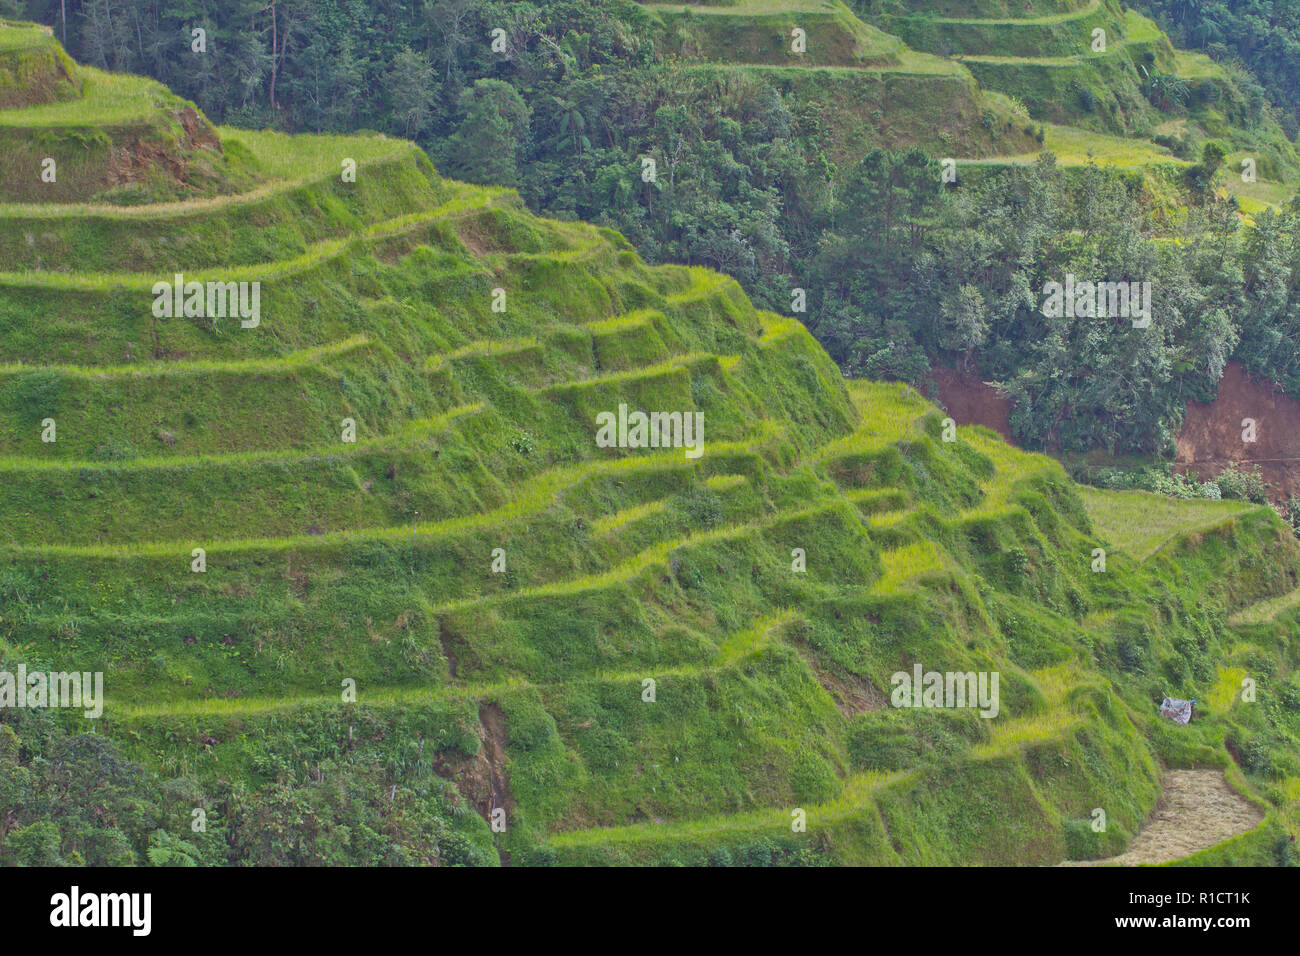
pixel 1140 29
pixel 1060 16
pixel 747 7
pixel 1141 523
pixel 318 253
pixel 762 33
pixel 1064 32
pixel 18 36
pixel 1078 147
pixel 33 68
pixel 1195 66
pixel 1266 611
pixel 905 564
pixel 282 160
pixel 108 99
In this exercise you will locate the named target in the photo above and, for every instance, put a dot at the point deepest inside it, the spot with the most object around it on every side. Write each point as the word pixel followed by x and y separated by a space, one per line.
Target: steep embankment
pixel 972 401
pixel 1250 423
pixel 365 585
pixel 71 133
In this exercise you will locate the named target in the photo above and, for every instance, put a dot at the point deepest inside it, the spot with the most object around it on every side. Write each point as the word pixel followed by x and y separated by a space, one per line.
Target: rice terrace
pixel 597 433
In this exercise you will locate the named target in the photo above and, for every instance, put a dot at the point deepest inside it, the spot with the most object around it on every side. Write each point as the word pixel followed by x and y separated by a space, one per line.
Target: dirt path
pixel 1197 810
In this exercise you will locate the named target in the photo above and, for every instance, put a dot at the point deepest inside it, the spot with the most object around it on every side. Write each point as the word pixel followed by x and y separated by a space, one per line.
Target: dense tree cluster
pixel 965 272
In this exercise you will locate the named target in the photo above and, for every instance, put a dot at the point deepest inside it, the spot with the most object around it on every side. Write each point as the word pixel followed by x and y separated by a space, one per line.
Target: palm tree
pixel 573 129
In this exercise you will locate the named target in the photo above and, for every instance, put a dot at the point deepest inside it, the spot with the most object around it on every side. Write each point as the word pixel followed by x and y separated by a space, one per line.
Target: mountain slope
pixel 637 654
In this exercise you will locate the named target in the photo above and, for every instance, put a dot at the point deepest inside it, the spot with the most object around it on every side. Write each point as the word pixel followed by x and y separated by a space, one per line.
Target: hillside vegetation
pixel 637 655
pixel 798 144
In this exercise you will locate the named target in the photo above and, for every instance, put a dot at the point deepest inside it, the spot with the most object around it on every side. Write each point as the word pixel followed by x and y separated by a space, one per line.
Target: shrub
pixel 874 745
pixel 758 853
pixel 1290 512
pixel 115 450
pixel 529 726
pixel 34 845
pixel 1130 651
pixel 1234 482
pixel 811 778
pixel 1255 757
pixel 523 443
pixel 1082 842
pixel 702 507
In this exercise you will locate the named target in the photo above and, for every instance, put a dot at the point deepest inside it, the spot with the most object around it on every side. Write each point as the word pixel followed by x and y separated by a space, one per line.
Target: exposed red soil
pixel 1211 436
pixel 965 397
pixel 482 778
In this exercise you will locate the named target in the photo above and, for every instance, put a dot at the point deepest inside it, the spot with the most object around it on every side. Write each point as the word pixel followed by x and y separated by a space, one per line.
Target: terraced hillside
pixel 112 138
pixel 1102 77
pixel 992 84
pixel 33 68
pixel 875 89
pixel 1080 64
pixel 374 650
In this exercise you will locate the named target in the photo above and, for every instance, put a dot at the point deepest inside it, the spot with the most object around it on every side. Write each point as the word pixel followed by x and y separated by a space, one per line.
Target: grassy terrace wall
pixel 1061 34
pixel 265 224
pixel 118 139
pixel 872 88
pixel 942 112
pixel 751 34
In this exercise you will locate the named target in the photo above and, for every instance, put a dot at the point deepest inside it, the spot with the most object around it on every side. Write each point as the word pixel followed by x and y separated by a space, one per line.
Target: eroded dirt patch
pixel 492 724
pixel 1211 436
pixel 481 779
pixel 852 695
pixel 970 402
pixel 1196 811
